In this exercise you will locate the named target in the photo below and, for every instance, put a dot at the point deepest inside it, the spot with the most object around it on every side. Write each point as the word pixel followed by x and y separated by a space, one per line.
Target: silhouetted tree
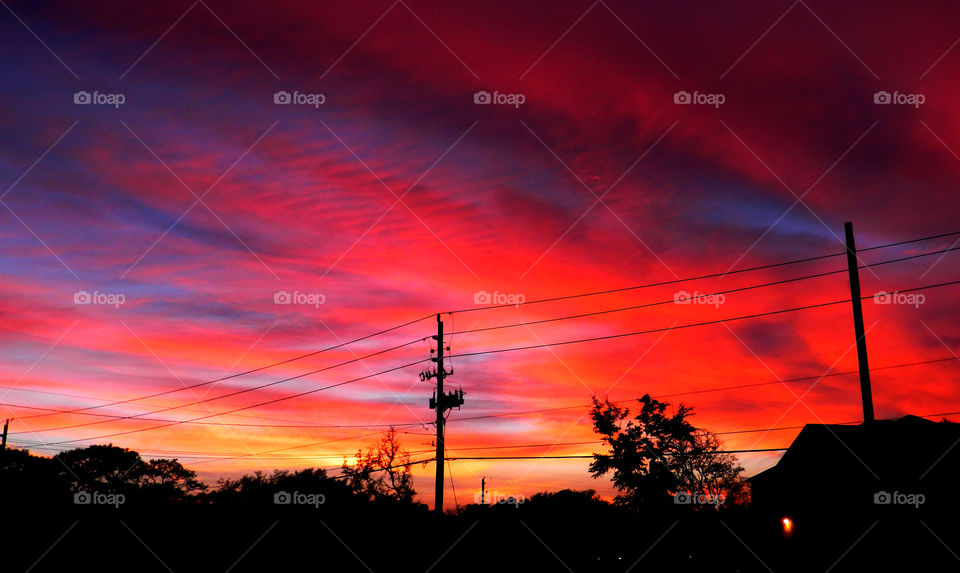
pixel 102 468
pixel 169 479
pixel 31 480
pixel 565 502
pixel 260 488
pixel 382 473
pixel 655 456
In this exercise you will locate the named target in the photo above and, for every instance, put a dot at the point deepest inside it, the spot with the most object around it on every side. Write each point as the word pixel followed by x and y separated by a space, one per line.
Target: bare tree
pixel 383 472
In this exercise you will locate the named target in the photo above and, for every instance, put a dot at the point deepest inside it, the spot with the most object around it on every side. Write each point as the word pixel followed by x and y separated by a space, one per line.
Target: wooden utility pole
pixel 441 374
pixel 3 441
pixel 853 271
pixel 441 402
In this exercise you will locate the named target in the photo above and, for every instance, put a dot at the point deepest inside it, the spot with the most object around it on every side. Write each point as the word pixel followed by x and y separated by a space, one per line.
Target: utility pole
pixel 441 402
pixel 483 491
pixel 853 271
pixel 441 374
pixel 3 441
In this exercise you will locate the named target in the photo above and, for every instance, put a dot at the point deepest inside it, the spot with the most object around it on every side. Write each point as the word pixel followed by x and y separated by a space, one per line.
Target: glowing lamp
pixel 787 524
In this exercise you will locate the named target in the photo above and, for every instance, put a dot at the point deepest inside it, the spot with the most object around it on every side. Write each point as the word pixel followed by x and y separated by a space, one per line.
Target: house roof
pixel 907 448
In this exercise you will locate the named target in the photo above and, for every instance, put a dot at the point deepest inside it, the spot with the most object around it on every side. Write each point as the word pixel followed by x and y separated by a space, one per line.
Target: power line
pixel 898 243
pixel 850 423
pixel 203 454
pixel 700 277
pixel 257 454
pixel 529 347
pixel 218 456
pixel 452 485
pixel 743 317
pixel 80 410
pixel 724 292
pixel 643 286
pixel 229 394
pixel 518 446
pixel 394 466
pixel 297 423
pixel 116 417
pixel 287 361
pixel 707 390
pixel 247 407
pixel 590 456
pixel 682 326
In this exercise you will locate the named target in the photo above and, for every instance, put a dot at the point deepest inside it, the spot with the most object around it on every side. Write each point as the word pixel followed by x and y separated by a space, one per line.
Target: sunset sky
pixel 185 199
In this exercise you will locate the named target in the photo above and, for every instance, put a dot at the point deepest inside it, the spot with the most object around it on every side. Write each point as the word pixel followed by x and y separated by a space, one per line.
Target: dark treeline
pixel 681 505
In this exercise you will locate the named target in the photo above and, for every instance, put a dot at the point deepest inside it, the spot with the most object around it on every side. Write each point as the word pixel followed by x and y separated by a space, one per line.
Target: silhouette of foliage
pixel 384 472
pixel 168 479
pixel 102 468
pixel 655 456
pixel 260 488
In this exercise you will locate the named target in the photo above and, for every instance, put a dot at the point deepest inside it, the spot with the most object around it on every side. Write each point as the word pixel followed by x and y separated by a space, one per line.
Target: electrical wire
pixel 682 326
pixel 208 382
pixel 141 415
pixel 484 352
pixel 590 456
pixel 704 391
pixel 476 353
pixel 286 421
pixel 232 424
pixel 452 485
pixel 247 407
pixel 221 396
pixel 215 456
pixel 701 277
pixel 724 292
pixel 909 241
